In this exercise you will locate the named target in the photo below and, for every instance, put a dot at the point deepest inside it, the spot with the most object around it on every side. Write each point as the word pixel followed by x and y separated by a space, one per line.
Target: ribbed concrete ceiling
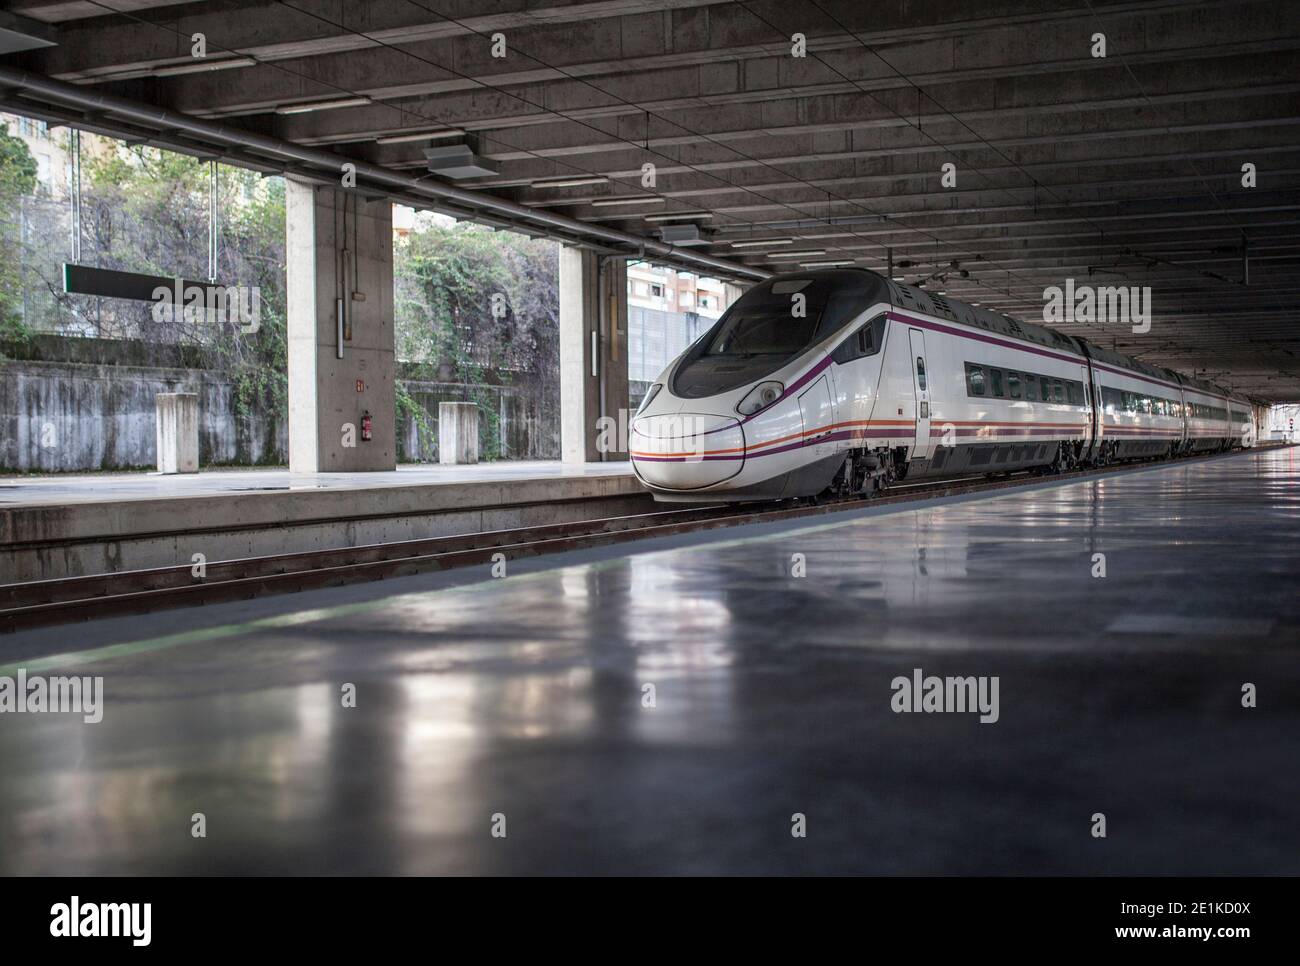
pixel 1116 170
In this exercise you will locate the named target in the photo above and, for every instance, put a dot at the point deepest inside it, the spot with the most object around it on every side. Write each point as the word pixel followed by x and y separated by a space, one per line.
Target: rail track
pixel 62 600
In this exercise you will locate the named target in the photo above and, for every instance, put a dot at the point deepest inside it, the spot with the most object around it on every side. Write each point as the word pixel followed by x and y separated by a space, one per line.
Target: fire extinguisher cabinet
pixel 178 432
pixel 457 432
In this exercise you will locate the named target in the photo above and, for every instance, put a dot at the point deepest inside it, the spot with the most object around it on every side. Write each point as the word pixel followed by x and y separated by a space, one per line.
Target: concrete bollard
pixel 457 432
pixel 178 432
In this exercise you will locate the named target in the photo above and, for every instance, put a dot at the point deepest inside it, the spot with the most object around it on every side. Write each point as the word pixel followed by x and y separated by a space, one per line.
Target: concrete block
pixel 178 432
pixel 457 432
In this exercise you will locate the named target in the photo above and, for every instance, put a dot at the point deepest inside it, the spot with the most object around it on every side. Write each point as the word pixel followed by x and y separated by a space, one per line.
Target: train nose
pixel 685 451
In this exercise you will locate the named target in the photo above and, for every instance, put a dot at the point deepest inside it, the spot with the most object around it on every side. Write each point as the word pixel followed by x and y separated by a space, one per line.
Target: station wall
pixel 72 404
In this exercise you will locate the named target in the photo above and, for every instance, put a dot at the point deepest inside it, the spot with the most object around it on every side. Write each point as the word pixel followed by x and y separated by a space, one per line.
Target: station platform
pixel 523 701
pixel 64 526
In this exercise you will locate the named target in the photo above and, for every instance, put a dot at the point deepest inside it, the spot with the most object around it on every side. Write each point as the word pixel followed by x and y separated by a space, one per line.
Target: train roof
pixel 932 303
pixel 1113 358
pixel 910 297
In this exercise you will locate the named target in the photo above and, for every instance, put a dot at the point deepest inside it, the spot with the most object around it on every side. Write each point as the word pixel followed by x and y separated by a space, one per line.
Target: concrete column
pixel 593 357
pixel 339 253
pixel 178 432
pixel 457 432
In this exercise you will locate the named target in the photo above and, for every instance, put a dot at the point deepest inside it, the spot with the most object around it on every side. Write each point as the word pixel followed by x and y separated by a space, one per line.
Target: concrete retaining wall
pixel 79 404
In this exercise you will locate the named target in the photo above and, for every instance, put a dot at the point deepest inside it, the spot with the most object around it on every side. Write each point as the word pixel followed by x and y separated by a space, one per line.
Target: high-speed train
pixel 842 380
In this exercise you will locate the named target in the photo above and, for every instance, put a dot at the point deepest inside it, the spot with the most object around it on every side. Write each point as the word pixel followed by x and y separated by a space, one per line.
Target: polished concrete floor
pixel 99 487
pixel 523 699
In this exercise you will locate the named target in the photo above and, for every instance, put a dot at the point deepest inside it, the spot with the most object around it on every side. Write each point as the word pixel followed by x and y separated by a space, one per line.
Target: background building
pixel 666 311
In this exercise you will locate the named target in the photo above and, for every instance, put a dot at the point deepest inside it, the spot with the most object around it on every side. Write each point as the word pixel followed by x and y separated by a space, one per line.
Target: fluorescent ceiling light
pixel 812 251
pixel 628 200
pixel 847 261
pixel 762 244
pixel 446 132
pixel 322 105
pixel 202 66
pixel 576 181
pixel 672 215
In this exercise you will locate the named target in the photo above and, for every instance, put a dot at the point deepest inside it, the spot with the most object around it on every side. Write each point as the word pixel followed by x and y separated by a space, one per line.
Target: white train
pixel 842 380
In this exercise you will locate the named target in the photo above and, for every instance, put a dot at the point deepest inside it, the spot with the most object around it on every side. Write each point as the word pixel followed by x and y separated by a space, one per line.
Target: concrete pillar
pixel 178 431
pixel 339 254
pixel 457 432
pixel 593 357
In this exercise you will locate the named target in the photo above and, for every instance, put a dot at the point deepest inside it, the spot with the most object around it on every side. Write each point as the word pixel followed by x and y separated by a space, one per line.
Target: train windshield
pixel 768 326
pixel 779 319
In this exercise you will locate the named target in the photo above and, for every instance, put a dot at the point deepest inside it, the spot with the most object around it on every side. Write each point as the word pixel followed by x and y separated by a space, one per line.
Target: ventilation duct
pixel 458 161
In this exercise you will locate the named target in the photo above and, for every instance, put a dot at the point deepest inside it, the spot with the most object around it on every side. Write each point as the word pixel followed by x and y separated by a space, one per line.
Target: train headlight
pixel 650 396
pixel 760 397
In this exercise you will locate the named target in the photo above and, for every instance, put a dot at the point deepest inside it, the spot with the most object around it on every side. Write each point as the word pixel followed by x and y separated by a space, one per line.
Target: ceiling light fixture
pixel 803 254
pixel 447 132
pixel 321 105
pixel 762 244
pixel 628 200
pixel 673 215
pixel 202 66
pixel 570 182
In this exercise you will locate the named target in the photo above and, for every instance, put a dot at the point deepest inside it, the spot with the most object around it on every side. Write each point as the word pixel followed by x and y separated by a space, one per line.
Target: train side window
pixel 974 380
pixel 866 341
pixel 1031 390
pixel 1047 388
pixel 920 372
pixel 1058 390
pixel 995 378
pixel 1013 384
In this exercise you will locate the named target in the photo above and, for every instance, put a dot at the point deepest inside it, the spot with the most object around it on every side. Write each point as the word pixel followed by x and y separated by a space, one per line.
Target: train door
pixel 1089 414
pixel 921 386
pixel 817 410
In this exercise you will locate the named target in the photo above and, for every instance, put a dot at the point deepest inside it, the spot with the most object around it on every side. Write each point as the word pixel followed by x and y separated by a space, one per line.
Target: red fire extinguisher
pixel 365 426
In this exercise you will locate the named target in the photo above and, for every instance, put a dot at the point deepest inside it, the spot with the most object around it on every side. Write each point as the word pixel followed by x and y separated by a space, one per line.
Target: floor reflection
pixel 668 711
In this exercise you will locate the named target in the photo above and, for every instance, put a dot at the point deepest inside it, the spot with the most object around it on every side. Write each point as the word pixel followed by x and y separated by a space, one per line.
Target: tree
pixel 17 178
pixel 480 309
pixel 146 210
